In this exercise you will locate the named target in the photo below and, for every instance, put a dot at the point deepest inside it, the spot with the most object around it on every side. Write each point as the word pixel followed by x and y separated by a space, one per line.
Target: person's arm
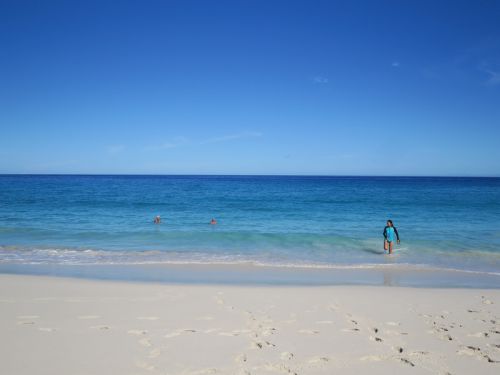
pixel 397 234
pixel 385 233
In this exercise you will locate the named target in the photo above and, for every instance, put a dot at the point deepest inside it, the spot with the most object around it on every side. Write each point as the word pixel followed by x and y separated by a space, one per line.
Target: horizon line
pixel 242 175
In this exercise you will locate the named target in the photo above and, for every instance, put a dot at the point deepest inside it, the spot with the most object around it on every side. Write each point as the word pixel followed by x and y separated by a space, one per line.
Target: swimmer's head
pixel 389 223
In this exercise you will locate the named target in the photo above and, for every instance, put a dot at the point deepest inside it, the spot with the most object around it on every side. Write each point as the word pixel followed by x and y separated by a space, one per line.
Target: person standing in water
pixel 390 233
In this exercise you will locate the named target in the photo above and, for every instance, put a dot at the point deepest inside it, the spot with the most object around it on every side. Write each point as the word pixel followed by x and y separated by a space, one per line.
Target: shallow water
pixel 315 222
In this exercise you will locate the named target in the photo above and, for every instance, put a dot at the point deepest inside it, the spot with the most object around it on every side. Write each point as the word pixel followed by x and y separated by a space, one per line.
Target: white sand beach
pixel 72 326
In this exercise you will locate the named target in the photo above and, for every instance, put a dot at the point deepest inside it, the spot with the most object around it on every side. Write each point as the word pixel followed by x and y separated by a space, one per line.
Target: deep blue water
pixel 326 222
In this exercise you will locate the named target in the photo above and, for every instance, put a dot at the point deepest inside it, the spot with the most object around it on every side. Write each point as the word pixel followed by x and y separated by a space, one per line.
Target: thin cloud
pixel 170 144
pixel 492 72
pixel 494 78
pixel 176 142
pixel 480 63
pixel 183 141
pixel 230 137
pixel 320 80
pixel 395 64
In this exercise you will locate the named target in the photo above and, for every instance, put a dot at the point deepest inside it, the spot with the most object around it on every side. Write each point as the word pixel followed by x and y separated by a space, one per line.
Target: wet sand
pixel 252 274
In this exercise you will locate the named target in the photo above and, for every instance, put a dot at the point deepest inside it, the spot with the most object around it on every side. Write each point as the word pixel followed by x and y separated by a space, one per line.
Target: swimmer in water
pixel 389 232
pixel 157 219
pixel 213 222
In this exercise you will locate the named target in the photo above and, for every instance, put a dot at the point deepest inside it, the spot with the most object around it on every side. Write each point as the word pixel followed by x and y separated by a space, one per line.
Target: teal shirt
pixel 390 234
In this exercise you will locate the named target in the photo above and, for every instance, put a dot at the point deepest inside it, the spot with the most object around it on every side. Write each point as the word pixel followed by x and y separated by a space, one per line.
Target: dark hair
pixel 390 222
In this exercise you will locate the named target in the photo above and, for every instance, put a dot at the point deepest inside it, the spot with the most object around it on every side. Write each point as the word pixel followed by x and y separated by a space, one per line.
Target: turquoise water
pixel 316 222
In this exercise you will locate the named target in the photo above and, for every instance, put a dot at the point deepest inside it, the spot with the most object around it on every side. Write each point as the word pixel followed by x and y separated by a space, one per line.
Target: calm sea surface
pixel 319 222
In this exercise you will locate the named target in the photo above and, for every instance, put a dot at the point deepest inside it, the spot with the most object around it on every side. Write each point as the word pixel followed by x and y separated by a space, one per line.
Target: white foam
pixel 42 256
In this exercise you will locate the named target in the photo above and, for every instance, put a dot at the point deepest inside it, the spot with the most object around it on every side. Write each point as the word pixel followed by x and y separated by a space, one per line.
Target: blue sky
pixel 250 87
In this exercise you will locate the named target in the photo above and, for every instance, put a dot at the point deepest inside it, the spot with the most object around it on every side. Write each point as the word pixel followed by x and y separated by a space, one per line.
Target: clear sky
pixel 250 87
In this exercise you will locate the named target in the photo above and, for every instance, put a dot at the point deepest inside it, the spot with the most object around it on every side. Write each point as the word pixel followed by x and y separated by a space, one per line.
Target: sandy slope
pixel 67 326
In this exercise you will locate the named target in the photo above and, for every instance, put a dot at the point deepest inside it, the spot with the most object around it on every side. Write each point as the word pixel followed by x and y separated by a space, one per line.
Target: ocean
pixel 60 222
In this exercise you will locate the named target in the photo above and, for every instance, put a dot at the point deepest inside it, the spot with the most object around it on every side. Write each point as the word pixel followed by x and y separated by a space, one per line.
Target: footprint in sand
pixel 354 323
pixel 407 362
pixel 392 324
pixel 137 332
pixel 469 350
pixel 318 360
pixel 102 328
pixel 286 356
pixel 46 329
pixel 308 331
pixel 219 300
pixel 211 330
pixel 441 334
pixel 178 332
pixel 172 334
pixel 447 338
pixel 372 358
pixel 145 342
pixel 145 365
pixel 228 334
pixel 155 353
pixel 350 330
pixel 333 307
pixel 391 332
pixel 261 345
pixel 89 317
pixel 241 358
pixel 268 331
pixel 278 368
pixel 477 352
pixel 238 332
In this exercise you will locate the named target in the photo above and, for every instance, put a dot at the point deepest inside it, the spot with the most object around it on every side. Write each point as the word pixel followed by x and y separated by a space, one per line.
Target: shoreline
pixel 250 274
pixel 100 327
